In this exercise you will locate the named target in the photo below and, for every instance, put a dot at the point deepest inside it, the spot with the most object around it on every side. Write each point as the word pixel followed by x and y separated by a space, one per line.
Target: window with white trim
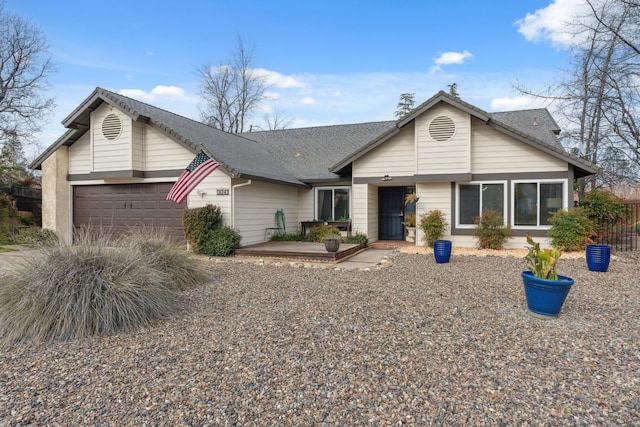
pixel 535 201
pixel 333 203
pixel 476 197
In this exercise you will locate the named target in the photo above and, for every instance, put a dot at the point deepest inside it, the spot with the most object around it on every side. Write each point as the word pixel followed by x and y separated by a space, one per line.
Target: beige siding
pixel 433 195
pixel 453 156
pixel 306 205
pixel 206 194
pixel 109 155
pixel 372 214
pixel 138 144
pixel 395 157
pixel 495 152
pixel 80 155
pixel 162 153
pixel 360 207
pixel 56 194
pixel 256 206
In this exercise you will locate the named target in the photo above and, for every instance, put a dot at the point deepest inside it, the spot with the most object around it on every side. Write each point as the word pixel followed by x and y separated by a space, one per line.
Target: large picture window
pixel 535 202
pixel 333 203
pixel 474 198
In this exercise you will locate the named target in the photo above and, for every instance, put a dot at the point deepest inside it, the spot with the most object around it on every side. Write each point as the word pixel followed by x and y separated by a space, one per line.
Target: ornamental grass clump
pixel 168 256
pixel 90 287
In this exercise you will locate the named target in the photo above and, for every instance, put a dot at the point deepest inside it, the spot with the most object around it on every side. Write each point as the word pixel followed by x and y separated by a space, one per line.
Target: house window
pixel 333 203
pixel 534 202
pixel 476 197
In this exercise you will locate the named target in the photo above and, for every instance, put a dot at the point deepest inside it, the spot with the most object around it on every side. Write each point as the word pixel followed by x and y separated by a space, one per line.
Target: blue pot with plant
pixel 545 290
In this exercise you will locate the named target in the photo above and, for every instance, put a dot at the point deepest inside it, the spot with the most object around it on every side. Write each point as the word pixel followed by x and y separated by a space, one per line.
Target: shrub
pixel 168 256
pixel 320 232
pixel 87 288
pixel 36 236
pixel 433 226
pixel 8 214
pixel 604 209
pixel 222 241
pixel 199 221
pixel 286 237
pixel 359 239
pixel 571 230
pixel 491 231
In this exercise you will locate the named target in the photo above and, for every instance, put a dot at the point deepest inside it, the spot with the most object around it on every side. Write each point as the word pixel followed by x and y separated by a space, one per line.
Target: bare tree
pixel 276 120
pixel 405 104
pixel 25 64
pixel 599 96
pixel 231 92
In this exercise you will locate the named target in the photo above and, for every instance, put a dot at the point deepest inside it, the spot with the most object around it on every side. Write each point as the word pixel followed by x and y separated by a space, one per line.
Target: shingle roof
pixel 304 155
pixel 308 152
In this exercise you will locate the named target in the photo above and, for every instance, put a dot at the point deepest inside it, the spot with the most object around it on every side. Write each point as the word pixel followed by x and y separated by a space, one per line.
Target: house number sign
pixel 222 191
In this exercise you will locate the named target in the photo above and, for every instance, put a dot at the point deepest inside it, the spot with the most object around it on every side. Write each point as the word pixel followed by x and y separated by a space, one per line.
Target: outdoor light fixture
pixel 386 178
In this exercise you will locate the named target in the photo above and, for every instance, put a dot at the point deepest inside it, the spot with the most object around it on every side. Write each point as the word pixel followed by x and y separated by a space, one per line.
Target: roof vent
pixel 442 128
pixel 111 127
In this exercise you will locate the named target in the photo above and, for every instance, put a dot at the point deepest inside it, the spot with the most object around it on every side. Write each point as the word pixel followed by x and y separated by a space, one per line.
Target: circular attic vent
pixel 442 128
pixel 111 127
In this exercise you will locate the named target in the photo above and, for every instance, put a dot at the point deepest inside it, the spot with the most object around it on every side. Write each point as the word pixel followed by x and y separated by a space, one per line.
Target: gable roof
pixel 303 155
pixel 308 152
pixel 238 156
pixel 533 127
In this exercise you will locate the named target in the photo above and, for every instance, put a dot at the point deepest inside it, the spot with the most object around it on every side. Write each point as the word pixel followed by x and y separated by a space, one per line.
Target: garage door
pixel 121 206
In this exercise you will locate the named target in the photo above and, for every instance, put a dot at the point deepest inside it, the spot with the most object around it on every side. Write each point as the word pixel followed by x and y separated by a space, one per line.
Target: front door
pixel 391 210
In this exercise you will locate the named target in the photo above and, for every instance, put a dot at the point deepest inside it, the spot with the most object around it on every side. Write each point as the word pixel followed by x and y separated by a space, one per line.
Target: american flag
pixel 193 175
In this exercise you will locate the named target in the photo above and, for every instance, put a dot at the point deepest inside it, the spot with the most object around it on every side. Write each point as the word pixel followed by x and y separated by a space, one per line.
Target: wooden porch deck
pixel 306 251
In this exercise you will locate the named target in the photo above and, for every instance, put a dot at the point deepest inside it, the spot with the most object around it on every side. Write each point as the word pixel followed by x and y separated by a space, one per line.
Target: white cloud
pixel 273 78
pixel 157 92
pixel 168 91
pixel 138 94
pixel 271 95
pixel 336 93
pixel 307 101
pixel 447 58
pixel 452 57
pixel 516 103
pixel 552 22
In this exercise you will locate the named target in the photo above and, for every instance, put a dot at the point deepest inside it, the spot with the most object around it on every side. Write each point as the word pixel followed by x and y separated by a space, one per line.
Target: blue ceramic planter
pixel 598 257
pixel 545 297
pixel 442 251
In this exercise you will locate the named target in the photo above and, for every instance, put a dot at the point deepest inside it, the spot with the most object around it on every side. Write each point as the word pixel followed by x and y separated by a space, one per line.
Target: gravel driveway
pixel 413 343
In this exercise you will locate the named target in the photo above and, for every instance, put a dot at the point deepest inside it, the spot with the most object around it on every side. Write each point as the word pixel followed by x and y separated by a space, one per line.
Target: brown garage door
pixel 121 206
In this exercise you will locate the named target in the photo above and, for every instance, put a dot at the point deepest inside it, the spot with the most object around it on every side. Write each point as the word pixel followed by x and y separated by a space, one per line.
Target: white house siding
pixel 372 214
pixel 110 155
pixel 433 195
pixel 137 145
pixel 162 153
pixel 206 194
pixel 80 155
pixel 495 152
pixel 396 157
pixel 306 206
pixel 255 209
pixel 360 208
pixel 452 156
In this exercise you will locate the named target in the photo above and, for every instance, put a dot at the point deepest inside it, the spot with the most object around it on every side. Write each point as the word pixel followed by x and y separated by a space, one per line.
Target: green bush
pixel 222 241
pixel 168 256
pixel 571 230
pixel 286 237
pixel 8 213
pixel 35 236
pixel 199 221
pixel 604 209
pixel 491 231
pixel 321 232
pixel 433 225
pixel 86 288
pixel 359 239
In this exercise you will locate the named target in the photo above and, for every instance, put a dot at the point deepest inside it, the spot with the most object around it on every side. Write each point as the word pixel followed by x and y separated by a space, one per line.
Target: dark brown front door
pixel 121 206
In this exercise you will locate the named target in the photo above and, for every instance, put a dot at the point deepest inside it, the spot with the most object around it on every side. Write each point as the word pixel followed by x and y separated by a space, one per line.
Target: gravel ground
pixel 413 343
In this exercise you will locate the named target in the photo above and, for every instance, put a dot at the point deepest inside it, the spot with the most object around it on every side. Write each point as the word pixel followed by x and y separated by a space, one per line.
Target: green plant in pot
pixel 545 289
pixel 433 225
pixel 410 225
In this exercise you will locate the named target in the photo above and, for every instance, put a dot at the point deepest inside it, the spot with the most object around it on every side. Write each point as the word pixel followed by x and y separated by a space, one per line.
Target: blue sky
pixel 328 62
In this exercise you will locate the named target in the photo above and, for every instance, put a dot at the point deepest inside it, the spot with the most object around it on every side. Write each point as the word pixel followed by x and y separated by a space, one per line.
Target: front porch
pixel 309 251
